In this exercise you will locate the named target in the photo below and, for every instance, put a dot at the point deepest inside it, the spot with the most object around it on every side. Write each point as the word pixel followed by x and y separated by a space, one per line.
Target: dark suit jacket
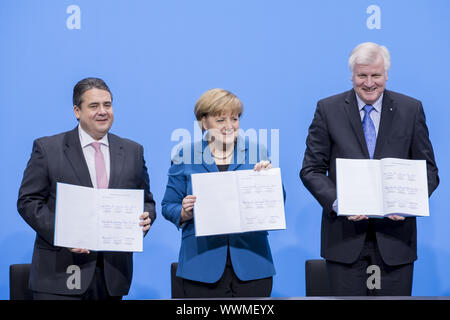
pixel 60 158
pixel 336 132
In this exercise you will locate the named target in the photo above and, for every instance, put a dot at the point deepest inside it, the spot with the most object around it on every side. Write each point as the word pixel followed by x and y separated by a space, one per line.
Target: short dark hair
pixel 84 85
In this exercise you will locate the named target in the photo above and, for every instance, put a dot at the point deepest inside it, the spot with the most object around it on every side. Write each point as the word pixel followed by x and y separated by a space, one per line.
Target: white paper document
pixel 377 188
pixel 98 219
pixel 238 201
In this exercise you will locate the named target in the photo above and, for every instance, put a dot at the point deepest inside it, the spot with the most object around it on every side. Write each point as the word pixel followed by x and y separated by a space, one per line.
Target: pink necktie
pixel 100 168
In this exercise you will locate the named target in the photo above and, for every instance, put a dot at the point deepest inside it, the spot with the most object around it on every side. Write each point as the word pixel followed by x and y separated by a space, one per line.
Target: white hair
pixel 367 53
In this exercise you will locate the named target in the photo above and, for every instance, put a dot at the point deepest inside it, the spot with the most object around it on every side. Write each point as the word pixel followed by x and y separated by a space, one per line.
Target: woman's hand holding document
pixel 238 201
pixel 99 219
pixel 389 187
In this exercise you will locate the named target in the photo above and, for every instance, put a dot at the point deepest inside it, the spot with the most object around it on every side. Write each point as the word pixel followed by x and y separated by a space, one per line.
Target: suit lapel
pixel 75 156
pixel 238 155
pixel 204 153
pixel 208 160
pixel 351 108
pixel 117 159
pixel 387 114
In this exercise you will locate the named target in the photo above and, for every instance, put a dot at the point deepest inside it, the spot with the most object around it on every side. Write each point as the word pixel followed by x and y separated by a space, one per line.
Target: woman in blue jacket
pixel 232 265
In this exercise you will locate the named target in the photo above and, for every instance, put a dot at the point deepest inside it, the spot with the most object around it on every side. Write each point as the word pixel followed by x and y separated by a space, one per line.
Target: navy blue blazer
pixel 336 132
pixel 203 258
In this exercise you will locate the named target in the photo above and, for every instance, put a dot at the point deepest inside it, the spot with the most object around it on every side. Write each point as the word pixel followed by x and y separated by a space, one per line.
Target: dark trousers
pixel 97 289
pixel 228 286
pixel 356 279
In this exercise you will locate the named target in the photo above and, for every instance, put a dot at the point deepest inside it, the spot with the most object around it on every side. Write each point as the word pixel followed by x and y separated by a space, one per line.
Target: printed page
pixel 405 187
pixel 118 219
pixel 261 200
pixel 98 219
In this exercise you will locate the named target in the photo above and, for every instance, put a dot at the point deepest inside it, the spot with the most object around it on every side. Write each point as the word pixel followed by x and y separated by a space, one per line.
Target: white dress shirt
pixel 89 153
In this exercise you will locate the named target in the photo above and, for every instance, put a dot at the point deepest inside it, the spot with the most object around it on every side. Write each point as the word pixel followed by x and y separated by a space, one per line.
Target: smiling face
pixel 95 113
pixel 224 128
pixel 369 80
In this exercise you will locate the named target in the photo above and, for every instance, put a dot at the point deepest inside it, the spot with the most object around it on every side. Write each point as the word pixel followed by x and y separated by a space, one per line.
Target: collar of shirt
pixel 86 139
pixel 376 105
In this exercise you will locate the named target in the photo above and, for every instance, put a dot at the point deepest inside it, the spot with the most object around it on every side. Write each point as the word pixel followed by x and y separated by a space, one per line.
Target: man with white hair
pixel 366 122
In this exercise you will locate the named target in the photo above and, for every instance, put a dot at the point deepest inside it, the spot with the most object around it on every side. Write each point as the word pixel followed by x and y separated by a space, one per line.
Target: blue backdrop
pixel 158 57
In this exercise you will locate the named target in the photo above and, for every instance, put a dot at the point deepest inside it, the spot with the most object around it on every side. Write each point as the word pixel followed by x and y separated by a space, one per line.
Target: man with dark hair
pixel 88 83
pixel 88 156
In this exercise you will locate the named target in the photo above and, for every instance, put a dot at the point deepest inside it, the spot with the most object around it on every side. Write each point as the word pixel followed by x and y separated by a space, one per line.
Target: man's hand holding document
pixel 238 201
pixel 380 188
pixel 98 219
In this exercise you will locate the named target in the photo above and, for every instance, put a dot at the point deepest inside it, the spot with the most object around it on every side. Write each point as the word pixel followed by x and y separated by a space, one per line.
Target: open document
pixel 238 201
pixel 377 188
pixel 98 219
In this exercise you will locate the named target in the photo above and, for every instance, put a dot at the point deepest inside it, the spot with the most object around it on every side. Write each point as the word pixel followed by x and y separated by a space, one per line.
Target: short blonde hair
pixel 215 102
